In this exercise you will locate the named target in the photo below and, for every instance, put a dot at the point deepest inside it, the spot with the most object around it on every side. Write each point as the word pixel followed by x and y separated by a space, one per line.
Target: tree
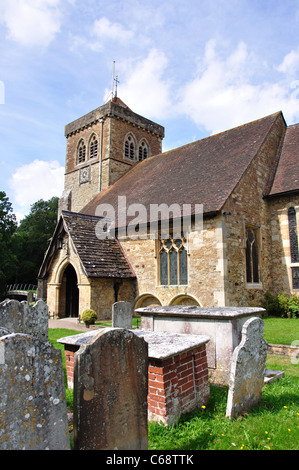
pixel 8 226
pixel 32 238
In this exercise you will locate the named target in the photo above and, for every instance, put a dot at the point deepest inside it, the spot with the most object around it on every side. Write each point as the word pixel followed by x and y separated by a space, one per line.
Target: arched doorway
pixel 71 292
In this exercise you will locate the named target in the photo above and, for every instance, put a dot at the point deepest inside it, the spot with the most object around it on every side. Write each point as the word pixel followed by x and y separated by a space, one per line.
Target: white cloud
pixel 36 180
pixel 290 63
pixel 31 22
pixel 104 28
pixel 143 86
pixel 100 30
pixel 223 94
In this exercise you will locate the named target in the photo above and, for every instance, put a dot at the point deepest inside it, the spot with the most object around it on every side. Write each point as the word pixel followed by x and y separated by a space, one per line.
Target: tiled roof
pixel 287 173
pixel 203 172
pixel 101 258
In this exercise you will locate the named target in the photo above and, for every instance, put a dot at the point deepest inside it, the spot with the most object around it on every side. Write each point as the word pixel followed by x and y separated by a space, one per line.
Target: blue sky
pixel 196 67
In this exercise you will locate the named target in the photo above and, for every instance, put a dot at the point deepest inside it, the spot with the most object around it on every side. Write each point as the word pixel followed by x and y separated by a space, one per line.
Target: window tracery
pixel 173 261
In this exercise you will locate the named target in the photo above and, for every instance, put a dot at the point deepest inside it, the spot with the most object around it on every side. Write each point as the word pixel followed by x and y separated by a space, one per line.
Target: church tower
pixel 101 147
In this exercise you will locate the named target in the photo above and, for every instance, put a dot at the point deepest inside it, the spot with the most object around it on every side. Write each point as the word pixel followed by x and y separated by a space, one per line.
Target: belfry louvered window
pixel 81 152
pixel 93 147
pixel 173 261
pixel 130 148
pixel 252 255
pixel 143 151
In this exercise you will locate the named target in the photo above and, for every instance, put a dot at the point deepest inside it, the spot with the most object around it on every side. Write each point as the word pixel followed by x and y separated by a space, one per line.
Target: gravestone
pixel 33 414
pixel 20 317
pixel 122 315
pixel 248 369
pixel 110 392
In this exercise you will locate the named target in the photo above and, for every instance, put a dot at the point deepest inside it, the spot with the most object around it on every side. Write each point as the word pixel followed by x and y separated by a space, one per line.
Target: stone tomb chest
pixel 223 325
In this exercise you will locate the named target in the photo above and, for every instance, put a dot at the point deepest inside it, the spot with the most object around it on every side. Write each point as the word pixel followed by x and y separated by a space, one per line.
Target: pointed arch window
pixel 293 234
pixel 143 151
pixel 81 152
pixel 252 255
pixel 93 147
pixel 173 261
pixel 130 148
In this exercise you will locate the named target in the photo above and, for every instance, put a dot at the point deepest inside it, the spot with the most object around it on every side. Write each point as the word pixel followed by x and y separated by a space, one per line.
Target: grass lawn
pixel 281 330
pixel 272 425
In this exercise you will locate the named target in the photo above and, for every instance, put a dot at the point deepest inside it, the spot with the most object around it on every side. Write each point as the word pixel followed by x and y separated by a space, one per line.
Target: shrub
pixel 89 316
pixel 293 306
pixel 280 305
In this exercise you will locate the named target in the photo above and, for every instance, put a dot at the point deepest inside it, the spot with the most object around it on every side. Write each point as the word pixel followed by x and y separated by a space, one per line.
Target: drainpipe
pixel 100 156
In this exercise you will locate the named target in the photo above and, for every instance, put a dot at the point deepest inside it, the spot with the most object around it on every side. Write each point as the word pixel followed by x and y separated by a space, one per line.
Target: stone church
pixel 242 184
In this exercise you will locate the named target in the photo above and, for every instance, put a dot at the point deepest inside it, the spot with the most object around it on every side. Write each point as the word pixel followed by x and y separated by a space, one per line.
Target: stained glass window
pixel 173 261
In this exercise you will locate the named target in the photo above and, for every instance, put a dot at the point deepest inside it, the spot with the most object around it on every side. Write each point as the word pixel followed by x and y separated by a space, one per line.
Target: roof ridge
pixel 218 134
pixel 80 214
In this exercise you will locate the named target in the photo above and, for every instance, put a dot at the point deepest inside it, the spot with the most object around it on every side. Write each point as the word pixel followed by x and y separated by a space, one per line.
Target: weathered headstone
pixel 20 317
pixel 30 297
pixel 248 369
pixel 33 414
pixel 122 315
pixel 110 392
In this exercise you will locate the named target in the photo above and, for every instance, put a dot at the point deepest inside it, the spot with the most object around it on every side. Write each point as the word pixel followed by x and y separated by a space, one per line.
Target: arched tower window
pixel 93 146
pixel 81 152
pixel 143 151
pixel 130 148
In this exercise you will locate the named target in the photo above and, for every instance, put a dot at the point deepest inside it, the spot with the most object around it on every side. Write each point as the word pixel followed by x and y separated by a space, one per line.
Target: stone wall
pixel 281 272
pixel 205 269
pixel 247 205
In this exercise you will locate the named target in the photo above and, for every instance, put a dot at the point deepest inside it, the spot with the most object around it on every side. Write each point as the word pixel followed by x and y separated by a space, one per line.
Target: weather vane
pixel 115 82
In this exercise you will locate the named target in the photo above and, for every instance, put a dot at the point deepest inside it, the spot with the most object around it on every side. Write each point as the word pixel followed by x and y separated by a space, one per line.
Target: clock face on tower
pixel 84 175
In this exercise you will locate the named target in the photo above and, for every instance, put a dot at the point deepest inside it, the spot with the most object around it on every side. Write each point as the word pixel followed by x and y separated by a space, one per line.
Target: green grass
pixel 108 323
pixel 272 425
pixel 54 335
pixel 281 330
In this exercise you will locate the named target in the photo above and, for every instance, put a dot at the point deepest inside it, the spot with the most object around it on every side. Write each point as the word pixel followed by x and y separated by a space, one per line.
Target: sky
pixel 197 67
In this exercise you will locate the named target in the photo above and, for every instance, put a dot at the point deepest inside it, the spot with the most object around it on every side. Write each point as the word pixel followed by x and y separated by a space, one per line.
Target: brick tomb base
pixel 177 371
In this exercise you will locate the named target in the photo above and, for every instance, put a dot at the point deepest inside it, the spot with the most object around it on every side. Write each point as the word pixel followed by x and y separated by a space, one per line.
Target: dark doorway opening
pixel 72 292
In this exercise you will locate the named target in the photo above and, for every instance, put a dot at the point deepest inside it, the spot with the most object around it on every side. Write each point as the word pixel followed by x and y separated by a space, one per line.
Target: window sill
pixel 173 285
pixel 252 285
